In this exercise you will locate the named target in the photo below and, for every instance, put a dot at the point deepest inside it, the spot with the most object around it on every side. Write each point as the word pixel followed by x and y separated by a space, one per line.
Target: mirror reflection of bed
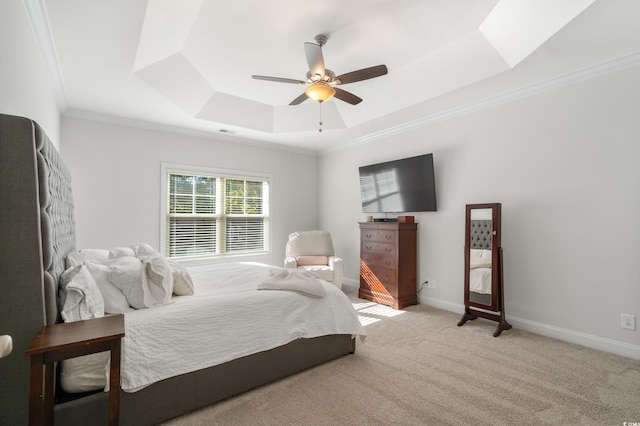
pixel 480 276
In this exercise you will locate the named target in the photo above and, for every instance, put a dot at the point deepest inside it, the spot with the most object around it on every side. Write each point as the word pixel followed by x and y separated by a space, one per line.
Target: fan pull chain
pixel 320 122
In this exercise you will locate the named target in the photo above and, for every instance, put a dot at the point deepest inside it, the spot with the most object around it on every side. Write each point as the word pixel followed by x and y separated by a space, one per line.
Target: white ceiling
pixel 187 64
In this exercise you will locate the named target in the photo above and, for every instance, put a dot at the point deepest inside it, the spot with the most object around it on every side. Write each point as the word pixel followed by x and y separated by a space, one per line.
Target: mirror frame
pixel 495 310
pixel 496 216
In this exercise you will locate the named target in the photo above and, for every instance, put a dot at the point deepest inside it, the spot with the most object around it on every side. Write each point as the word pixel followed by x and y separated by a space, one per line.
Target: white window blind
pixel 212 214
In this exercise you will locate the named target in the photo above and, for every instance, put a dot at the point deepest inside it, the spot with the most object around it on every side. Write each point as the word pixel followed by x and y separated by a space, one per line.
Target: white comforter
pixel 226 318
pixel 480 280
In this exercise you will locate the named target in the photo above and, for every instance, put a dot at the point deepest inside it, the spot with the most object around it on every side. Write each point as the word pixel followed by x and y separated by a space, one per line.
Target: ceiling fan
pixel 321 81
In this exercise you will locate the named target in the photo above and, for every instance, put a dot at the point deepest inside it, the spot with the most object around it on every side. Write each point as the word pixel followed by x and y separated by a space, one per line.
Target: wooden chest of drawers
pixel 388 263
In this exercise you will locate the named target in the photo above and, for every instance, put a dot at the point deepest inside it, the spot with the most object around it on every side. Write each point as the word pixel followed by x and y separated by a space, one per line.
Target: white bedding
pixel 480 280
pixel 226 318
pixel 480 271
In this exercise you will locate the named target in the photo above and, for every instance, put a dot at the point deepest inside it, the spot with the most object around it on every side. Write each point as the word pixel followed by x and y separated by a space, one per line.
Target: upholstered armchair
pixel 313 251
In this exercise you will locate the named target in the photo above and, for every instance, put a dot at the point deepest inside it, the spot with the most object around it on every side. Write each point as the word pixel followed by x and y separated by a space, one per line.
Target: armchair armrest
pixel 290 262
pixel 337 265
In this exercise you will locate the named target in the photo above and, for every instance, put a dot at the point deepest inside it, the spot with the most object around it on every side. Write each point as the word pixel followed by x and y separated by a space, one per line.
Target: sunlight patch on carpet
pixel 370 312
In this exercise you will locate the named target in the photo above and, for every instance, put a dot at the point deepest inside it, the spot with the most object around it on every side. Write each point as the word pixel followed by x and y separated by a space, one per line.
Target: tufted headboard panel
pixel 56 218
pixel 37 233
pixel 481 231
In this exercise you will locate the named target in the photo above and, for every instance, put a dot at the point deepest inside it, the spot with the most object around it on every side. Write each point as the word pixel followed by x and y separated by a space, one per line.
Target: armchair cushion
pixel 322 272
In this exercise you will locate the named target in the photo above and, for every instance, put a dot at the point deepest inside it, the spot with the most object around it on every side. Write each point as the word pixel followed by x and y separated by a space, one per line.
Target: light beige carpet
pixel 417 367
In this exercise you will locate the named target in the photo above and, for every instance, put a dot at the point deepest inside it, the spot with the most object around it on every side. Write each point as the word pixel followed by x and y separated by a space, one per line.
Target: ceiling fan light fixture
pixel 320 92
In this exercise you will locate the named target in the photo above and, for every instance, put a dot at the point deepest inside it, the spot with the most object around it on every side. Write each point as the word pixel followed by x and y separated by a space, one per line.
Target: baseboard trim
pixel 583 339
pixel 445 305
pixel 589 340
pixel 353 284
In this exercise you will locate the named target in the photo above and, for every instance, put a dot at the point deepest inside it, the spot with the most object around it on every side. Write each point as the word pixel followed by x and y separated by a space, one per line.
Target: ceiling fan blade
pixel 363 74
pixel 300 99
pixel 349 98
pixel 313 52
pixel 278 79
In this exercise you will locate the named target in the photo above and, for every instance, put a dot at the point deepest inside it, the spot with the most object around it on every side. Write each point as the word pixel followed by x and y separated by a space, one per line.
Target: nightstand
pixel 58 342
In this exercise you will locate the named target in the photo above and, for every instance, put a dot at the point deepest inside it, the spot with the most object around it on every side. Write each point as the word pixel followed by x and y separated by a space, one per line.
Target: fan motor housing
pixel 329 77
pixel 321 39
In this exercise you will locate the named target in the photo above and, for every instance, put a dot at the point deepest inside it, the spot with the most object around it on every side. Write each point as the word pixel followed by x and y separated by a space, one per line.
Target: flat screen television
pixel 399 186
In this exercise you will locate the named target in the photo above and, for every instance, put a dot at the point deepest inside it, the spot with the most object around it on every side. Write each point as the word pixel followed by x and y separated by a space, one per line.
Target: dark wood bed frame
pixel 37 232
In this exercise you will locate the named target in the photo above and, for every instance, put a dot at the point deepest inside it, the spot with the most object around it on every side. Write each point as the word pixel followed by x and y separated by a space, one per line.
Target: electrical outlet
pixel 430 284
pixel 628 321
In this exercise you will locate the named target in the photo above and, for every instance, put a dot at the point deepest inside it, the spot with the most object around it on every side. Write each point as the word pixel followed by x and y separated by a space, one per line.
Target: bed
pixel 38 235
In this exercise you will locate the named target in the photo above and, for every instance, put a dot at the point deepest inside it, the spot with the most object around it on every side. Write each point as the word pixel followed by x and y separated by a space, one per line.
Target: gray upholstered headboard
pixel 56 218
pixel 36 234
pixel 481 231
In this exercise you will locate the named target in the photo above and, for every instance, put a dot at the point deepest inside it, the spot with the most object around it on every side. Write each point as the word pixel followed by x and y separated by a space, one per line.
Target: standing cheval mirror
pixel 483 277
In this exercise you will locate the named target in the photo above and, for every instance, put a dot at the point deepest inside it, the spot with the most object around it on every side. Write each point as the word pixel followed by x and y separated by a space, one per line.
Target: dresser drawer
pixel 381 235
pixel 388 277
pixel 380 280
pixel 375 261
pixel 378 248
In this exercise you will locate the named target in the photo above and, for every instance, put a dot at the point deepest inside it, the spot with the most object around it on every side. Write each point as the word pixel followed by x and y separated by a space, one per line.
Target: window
pixel 213 213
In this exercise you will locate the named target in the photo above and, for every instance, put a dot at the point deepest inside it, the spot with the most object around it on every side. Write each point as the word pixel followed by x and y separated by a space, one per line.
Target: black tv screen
pixel 399 186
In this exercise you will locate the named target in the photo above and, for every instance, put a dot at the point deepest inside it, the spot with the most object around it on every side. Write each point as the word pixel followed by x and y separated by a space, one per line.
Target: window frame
pixel 172 168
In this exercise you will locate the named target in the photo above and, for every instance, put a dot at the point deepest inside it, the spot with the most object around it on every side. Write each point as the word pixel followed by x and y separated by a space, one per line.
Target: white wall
pixel 25 85
pixel 116 180
pixel 564 165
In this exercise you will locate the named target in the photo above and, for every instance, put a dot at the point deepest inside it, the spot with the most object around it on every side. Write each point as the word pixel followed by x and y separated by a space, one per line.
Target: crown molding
pixel 37 15
pixel 183 131
pixel 582 74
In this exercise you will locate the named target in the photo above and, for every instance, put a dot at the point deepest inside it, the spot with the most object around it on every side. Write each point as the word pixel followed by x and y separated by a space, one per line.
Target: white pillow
pixel 85 373
pixel 312 260
pixel 116 252
pixel 160 274
pixel 79 257
pixel 143 250
pixel 157 272
pixel 479 262
pixel 182 282
pixel 144 283
pixel 115 301
pixel 125 273
pixel 475 252
pixel 80 296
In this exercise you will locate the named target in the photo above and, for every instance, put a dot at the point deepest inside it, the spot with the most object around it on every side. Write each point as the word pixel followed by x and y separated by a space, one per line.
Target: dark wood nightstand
pixel 62 341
